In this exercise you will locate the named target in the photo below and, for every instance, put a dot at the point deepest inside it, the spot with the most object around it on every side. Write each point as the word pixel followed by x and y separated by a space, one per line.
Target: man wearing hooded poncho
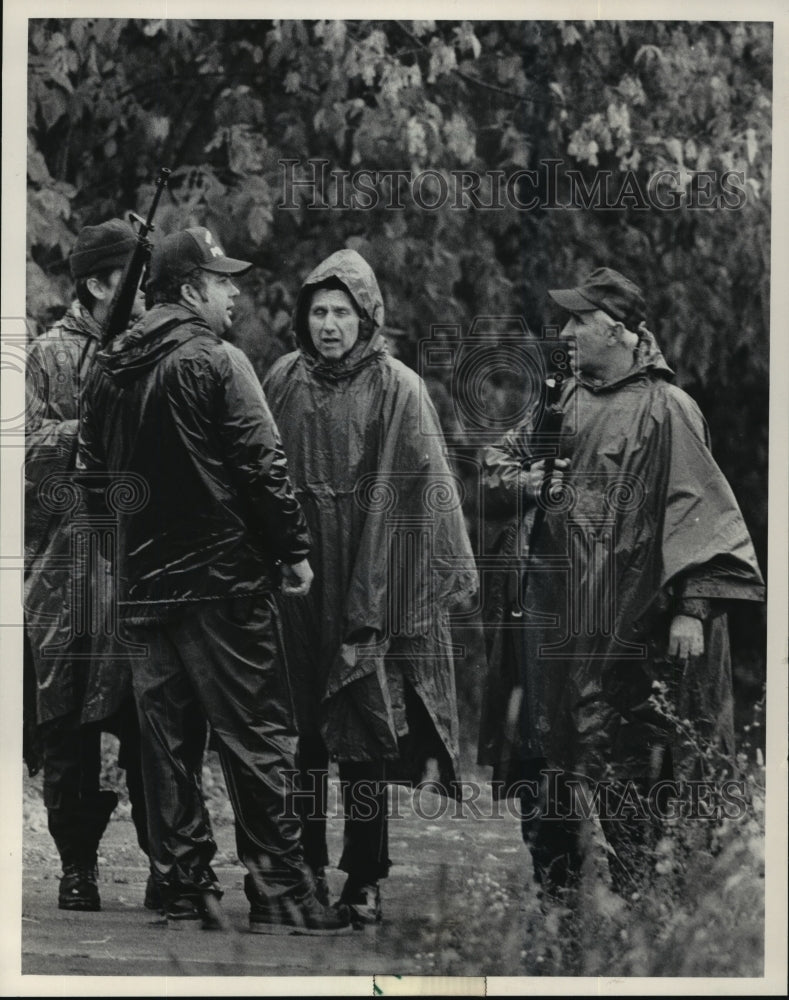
pixel 369 648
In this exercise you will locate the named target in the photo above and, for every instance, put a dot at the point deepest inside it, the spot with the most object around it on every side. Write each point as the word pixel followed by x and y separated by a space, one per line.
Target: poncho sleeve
pixel 707 550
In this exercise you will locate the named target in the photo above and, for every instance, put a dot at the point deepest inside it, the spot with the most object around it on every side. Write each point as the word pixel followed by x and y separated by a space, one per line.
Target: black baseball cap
pixel 181 252
pixel 608 290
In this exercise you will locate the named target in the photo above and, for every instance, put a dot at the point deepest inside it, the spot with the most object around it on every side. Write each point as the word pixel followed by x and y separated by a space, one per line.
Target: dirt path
pixel 457 882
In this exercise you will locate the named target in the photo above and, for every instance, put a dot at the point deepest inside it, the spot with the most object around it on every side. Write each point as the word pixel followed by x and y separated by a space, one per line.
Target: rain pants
pixel 180 414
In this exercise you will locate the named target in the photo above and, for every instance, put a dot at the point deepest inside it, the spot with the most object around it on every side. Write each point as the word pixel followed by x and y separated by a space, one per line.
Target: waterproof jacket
pixel 647 528
pixel 180 413
pixel 77 669
pixel 370 645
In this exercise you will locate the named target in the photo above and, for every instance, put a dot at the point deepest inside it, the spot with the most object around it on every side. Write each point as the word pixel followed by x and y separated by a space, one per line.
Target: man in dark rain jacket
pixel 369 648
pixel 81 678
pixel 623 631
pixel 173 406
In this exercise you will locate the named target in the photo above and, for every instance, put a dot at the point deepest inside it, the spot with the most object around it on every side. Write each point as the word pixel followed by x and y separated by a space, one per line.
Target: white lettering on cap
pixel 216 251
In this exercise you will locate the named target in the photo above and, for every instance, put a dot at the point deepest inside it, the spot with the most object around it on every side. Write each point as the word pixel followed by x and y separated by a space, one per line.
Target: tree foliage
pixel 224 103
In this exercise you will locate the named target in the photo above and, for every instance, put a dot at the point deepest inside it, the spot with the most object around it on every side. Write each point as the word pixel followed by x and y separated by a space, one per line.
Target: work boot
pixel 153 898
pixel 364 902
pixel 79 888
pixel 286 915
pixel 197 900
pixel 182 908
pixel 321 886
pixel 204 906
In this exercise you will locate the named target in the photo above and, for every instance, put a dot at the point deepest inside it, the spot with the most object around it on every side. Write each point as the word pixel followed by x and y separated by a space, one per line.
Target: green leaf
pixel 37 171
pixel 259 224
pixel 751 145
pixel 466 40
pixel 53 105
pixel 570 35
pixel 674 148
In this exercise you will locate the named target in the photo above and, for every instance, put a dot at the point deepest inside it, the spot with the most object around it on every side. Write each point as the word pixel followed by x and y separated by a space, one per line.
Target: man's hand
pixel 533 479
pixel 296 579
pixel 685 637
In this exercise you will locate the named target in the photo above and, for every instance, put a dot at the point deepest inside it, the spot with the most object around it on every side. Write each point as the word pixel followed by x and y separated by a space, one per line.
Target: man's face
pixel 333 323
pixel 104 291
pixel 214 301
pixel 586 335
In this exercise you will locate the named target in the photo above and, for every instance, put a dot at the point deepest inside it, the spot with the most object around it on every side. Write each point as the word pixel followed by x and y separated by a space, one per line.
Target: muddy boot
pixel 153 898
pixel 77 829
pixel 321 886
pixel 79 889
pixel 211 912
pixel 197 900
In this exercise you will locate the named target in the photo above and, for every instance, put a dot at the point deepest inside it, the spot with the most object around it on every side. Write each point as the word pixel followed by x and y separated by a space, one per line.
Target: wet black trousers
pixel 365 855
pixel 219 663
pixel 555 817
pixel 78 810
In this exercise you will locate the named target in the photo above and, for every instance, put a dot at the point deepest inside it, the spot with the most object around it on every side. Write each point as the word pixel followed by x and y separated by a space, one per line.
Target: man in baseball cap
pixel 190 268
pixel 175 405
pixel 603 332
pixel 628 580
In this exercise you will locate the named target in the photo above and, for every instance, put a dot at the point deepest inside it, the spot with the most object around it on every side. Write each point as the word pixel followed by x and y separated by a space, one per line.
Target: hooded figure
pixel 369 648
pixel 619 635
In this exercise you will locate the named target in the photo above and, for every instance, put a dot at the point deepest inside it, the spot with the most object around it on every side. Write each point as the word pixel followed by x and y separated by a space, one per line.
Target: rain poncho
pixel 391 553
pixel 77 667
pixel 647 528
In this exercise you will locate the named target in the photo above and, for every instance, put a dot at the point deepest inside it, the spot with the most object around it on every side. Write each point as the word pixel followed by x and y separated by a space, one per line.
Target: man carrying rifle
pixel 620 634
pixel 175 405
pixel 82 679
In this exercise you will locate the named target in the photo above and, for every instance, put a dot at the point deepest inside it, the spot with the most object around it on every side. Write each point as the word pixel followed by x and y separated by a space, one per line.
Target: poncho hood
pixel 353 272
pixel 648 359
